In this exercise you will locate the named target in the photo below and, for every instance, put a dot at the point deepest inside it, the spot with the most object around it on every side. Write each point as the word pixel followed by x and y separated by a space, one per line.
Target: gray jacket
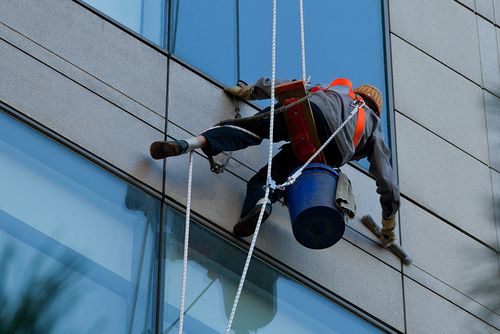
pixel 335 105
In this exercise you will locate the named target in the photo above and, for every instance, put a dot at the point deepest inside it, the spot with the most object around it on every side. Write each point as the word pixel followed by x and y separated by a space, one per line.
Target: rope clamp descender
pixel 271 184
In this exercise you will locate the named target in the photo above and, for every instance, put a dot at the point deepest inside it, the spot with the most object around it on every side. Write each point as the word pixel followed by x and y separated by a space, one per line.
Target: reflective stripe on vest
pixel 361 117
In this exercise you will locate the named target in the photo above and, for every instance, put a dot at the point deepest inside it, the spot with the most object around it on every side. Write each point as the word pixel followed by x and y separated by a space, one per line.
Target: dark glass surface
pixel 76 243
pixel 270 302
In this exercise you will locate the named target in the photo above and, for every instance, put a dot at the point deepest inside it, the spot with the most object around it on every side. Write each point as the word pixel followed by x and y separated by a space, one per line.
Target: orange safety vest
pixel 361 117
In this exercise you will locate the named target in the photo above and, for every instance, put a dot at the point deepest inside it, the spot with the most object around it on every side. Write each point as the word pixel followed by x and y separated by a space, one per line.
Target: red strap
pixel 337 82
pixel 360 123
pixel 360 127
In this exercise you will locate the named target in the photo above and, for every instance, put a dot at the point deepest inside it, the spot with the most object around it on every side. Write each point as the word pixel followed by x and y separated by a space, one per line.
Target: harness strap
pixel 360 127
pixel 361 119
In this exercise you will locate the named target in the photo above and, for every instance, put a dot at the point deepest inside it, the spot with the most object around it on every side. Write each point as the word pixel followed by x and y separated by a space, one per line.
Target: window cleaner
pixel 332 112
pixel 330 107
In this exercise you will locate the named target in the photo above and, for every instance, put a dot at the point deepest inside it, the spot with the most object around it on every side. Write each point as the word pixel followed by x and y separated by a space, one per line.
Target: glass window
pixel 203 33
pixel 146 17
pixel 75 242
pixel 270 302
pixel 342 39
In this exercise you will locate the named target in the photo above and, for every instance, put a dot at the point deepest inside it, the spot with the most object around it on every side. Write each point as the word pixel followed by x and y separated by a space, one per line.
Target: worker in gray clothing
pixel 330 107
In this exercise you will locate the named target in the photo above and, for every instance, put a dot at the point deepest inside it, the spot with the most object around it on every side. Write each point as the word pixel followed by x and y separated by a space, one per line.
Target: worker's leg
pixel 223 138
pixel 240 136
pixel 282 166
pixel 164 149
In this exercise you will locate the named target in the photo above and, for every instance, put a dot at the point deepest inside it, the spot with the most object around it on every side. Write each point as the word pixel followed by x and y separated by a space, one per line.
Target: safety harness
pixel 360 122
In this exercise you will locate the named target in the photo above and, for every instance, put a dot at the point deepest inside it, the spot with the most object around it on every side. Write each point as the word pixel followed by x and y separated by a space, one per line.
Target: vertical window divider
pixel 238 63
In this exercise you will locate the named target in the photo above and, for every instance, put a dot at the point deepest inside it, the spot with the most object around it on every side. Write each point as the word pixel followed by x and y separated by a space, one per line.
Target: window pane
pixel 146 17
pixel 66 223
pixel 270 302
pixel 342 39
pixel 203 33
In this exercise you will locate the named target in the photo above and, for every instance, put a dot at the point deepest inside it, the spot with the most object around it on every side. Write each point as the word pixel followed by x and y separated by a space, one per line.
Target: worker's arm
pixel 385 178
pixel 260 90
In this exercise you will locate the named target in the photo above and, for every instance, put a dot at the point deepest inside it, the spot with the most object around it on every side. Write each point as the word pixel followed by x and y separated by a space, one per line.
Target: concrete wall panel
pixel 498 37
pixel 427 312
pixel 444 29
pixel 456 297
pixel 444 179
pixel 78 114
pixel 447 254
pixel 495 179
pixel 469 3
pixel 448 104
pixel 489 55
pixel 492 107
pixel 496 7
pixel 81 77
pixel 485 8
pixel 92 44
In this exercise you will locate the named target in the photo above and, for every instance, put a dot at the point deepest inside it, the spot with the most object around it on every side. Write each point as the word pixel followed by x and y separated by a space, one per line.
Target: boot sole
pixel 163 149
pixel 246 226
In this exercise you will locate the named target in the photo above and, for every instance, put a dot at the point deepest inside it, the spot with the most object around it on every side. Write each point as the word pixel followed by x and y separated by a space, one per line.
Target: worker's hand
pixel 243 92
pixel 387 235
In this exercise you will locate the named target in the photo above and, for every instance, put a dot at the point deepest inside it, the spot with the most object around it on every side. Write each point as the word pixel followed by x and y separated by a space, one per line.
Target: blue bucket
pixel 317 223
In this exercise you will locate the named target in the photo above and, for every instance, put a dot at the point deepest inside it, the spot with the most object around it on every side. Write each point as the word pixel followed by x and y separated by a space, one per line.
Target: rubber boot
pixel 245 227
pixel 164 149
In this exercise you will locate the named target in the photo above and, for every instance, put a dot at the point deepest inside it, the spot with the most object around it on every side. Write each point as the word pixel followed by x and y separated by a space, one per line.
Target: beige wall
pixel 446 89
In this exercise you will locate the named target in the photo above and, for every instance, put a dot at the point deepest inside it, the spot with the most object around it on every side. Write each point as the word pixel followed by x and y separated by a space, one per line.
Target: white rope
pixel 302 42
pixel 269 166
pixel 186 245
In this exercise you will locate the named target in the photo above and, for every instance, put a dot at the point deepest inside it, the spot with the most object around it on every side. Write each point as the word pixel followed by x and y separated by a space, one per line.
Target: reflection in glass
pixel 35 303
pixel 61 213
pixel 146 17
pixel 343 39
pixel 203 33
pixel 270 302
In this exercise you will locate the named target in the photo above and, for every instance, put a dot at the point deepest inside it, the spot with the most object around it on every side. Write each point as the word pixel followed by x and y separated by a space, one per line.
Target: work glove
pixel 387 235
pixel 244 92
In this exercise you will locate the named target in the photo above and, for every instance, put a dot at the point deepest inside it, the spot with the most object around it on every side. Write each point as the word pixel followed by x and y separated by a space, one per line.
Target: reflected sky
pixel 342 39
pixel 55 204
pixel 146 17
pixel 203 33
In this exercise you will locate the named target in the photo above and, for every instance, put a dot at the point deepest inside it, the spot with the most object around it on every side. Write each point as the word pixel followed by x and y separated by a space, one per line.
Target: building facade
pixel 91 228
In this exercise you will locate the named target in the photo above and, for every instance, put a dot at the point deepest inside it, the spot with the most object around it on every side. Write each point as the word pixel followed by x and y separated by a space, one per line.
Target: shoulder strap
pixel 361 117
